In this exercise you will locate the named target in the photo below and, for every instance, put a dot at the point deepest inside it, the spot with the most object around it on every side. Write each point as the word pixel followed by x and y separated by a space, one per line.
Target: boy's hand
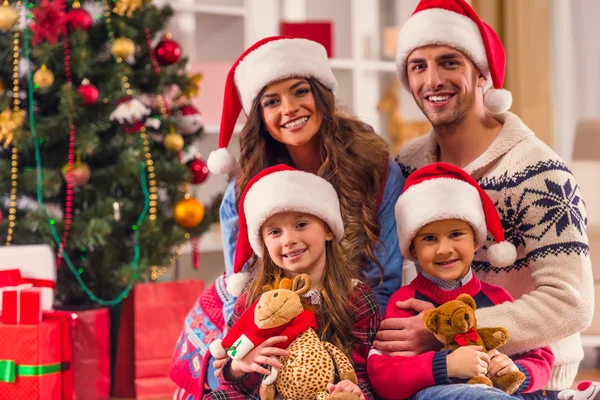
pixel 467 362
pixel 500 364
pixel 261 354
pixel 218 365
pixel 345 386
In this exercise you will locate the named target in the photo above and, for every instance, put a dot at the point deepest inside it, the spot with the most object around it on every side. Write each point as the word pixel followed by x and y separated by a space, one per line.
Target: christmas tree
pixel 96 94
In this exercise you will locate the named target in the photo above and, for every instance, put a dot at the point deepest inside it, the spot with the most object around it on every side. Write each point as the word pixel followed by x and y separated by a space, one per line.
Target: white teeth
pixel 295 253
pixel 296 122
pixel 439 98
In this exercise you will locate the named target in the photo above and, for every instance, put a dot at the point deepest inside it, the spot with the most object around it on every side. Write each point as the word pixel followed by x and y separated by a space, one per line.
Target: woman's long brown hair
pixel 334 315
pixel 354 161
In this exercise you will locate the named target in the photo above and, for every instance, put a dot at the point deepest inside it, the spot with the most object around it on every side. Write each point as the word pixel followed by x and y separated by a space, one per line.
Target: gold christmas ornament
pixel 9 122
pixel 43 77
pixel 188 212
pixel 123 47
pixel 127 7
pixel 193 89
pixel 173 142
pixel 8 17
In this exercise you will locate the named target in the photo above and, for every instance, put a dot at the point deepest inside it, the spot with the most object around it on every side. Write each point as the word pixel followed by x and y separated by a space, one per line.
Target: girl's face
pixel 445 248
pixel 290 113
pixel 296 243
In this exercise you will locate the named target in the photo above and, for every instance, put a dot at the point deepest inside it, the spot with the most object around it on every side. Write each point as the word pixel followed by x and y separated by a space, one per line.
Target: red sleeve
pixel 392 311
pixel 301 323
pixel 400 377
pixel 496 294
pixel 241 324
pixel 539 364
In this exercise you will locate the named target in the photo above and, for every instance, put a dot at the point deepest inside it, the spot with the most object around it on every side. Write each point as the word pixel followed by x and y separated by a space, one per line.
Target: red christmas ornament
pixel 49 22
pixel 199 170
pixel 79 19
pixel 88 92
pixel 167 51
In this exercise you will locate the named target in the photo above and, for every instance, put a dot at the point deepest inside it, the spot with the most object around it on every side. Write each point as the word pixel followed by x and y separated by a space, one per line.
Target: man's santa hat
pixel 275 190
pixel 267 61
pixel 455 24
pixel 443 191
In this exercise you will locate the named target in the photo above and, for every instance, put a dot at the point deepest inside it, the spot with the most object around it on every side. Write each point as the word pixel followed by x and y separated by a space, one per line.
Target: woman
pixel 286 88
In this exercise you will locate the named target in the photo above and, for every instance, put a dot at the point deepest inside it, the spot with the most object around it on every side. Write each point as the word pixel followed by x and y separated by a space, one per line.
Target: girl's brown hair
pixel 354 160
pixel 334 314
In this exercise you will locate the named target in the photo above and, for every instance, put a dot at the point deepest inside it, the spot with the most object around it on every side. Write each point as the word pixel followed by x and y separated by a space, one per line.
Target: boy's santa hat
pixel 443 191
pixel 268 60
pixel 455 24
pixel 275 190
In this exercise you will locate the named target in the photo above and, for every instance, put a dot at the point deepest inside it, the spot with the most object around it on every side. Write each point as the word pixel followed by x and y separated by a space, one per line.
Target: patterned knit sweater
pixel 544 215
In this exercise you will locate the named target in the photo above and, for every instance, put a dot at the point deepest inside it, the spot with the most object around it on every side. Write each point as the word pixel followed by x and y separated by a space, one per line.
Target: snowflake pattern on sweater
pixel 543 214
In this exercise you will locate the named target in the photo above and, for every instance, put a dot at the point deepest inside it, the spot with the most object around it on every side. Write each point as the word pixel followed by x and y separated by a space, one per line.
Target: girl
pixel 291 221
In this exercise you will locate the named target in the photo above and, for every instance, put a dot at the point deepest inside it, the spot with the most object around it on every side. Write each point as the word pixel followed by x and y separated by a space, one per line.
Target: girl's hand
pixel 218 365
pixel 261 354
pixel 345 386
pixel 500 364
pixel 467 362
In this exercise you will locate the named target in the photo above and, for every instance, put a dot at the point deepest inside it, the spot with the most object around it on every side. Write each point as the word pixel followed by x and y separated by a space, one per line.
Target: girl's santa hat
pixel 268 60
pixel 443 191
pixel 455 24
pixel 275 190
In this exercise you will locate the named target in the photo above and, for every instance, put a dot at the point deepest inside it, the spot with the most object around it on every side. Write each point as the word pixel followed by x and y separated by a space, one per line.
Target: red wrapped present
pixel 91 355
pixel 21 305
pixel 320 32
pixel 67 322
pixel 150 324
pixel 30 361
pixel 37 266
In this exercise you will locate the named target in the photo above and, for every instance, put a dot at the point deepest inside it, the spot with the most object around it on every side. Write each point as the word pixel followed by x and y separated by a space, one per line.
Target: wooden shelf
pixel 210 9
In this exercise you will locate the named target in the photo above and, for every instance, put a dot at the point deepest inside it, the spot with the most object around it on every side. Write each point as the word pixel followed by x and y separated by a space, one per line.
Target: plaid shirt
pixel 365 324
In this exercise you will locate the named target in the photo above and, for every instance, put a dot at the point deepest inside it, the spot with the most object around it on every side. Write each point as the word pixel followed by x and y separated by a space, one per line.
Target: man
pixel 453 65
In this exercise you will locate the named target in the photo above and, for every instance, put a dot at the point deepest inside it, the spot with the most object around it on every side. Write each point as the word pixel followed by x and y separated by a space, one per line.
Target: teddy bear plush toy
pixel 312 363
pixel 454 324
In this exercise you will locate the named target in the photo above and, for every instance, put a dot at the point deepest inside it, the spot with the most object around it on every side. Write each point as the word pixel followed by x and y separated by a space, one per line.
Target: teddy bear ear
pixel 431 320
pixel 301 284
pixel 468 300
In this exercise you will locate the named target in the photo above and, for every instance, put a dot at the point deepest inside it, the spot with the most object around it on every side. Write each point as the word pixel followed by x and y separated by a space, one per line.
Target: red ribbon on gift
pixel 12 277
pixel 463 338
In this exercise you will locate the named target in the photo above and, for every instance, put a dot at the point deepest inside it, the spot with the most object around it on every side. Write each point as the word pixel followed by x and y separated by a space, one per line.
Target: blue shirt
pixel 387 251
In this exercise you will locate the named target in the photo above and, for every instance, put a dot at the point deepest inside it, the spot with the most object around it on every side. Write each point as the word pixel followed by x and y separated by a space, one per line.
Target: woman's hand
pixel 345 386
pixel 500 364
pixel 264 353
pixel 218 365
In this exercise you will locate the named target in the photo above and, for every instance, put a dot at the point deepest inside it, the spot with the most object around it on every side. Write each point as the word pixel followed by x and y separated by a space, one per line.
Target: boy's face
pixel 445 248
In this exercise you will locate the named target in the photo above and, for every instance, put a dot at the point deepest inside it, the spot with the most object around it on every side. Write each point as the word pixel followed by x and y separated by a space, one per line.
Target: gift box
pixel 150 324
pixel 91 354
pixel 36 265
pixel 21 305
pixel 30 361
pixel 320 32
pixel 67 322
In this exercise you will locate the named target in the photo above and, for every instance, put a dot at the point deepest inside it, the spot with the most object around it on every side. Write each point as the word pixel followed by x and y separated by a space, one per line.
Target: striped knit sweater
pixel 544 215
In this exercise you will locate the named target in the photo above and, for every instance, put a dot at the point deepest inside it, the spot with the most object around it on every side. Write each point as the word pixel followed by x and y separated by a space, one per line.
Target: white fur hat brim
pixel 281 59
pixel 437 26
pixel 434 200
pixel 290 191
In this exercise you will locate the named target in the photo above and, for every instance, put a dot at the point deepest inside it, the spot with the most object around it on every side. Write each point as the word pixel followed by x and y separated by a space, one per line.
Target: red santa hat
pixel 266 61
pixel 275 190
pixel 443 191
pixel 455 24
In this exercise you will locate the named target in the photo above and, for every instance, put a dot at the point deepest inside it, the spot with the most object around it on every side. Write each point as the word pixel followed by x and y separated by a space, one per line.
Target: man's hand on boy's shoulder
pixel 407 336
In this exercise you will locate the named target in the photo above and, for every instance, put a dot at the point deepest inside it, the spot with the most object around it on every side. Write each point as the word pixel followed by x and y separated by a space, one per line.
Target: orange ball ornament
pixel 188 212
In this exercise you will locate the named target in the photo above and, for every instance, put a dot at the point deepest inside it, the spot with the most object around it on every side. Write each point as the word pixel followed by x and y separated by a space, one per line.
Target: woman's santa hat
pixel 275 190
pixel 443 191
pixel 455 24
pixel 267 61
